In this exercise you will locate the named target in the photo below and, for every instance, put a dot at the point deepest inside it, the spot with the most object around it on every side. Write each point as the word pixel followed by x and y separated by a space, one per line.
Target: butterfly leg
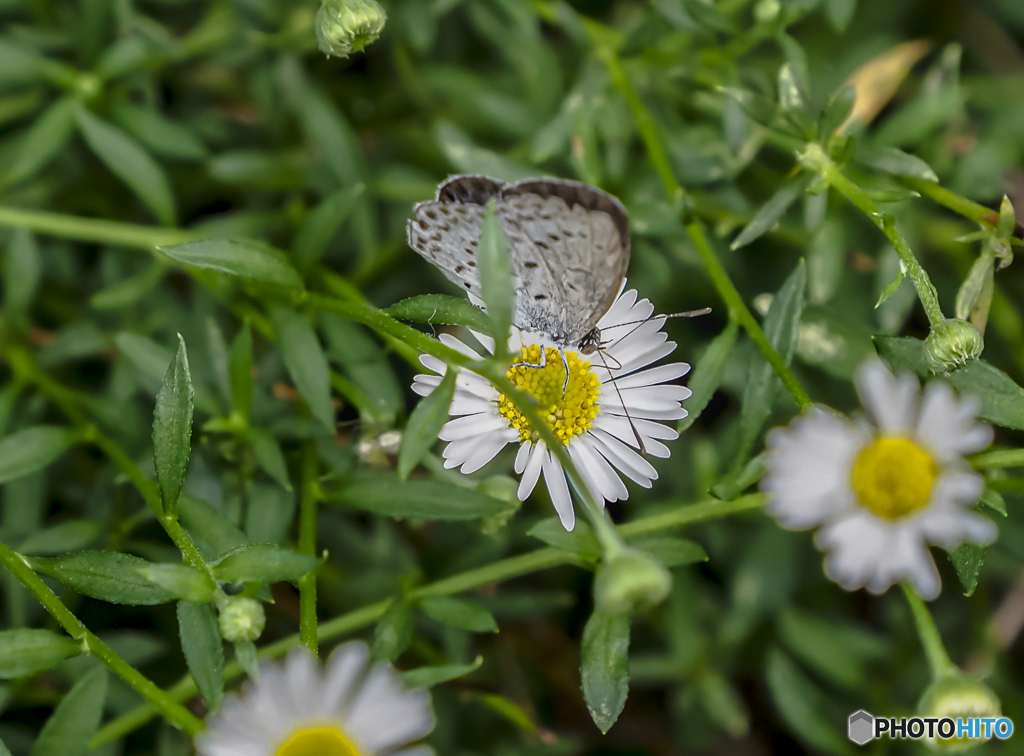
pixel 543 362
pixel 565 363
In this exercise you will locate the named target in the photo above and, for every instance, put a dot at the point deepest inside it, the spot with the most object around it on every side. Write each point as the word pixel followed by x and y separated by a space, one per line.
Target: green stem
pixel 886 224
pixel 678 197
pixel 504 569
pixel 938 659
pixel 307 545
pixel 92 230
pixel 1001 458
pixel 952 200
pixel 159 700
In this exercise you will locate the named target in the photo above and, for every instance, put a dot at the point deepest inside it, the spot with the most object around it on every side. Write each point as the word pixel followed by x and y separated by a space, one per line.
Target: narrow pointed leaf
pixel 29 450
pixel 24 652
pixel 707 375
pixel 268 453
pixel 604 667
pixel 248 260
pixel 184 582
pixel 428 499
pixel 214 534
pixel 172 428
pixel 240 370
pixel 320 226
pixel 393 633
pixel 428 677
pixel 41 143
pixel 264 563
pixel 130 162
pixel 441 309
pixel 305 360
pixel 896 162
pixel 75 720
pixel 21 274
pixel 967 559
pixel 771 211
pixel 464 615
pixel 496 283
pixel 105 575
pixel 425 424
pixel 203 649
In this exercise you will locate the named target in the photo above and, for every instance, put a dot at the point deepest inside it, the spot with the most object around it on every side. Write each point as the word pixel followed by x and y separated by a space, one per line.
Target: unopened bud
pixel 242 619
pixel 952 344
pixel 958 696
pixel 631 581
pixel 347 26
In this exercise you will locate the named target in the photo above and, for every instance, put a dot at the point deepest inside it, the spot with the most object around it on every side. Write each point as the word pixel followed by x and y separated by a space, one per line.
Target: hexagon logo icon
pixel 861 727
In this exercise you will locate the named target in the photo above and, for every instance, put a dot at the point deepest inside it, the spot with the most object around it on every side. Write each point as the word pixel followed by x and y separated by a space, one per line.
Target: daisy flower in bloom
pixel 585 412
pixel 880 492
pixel 298 708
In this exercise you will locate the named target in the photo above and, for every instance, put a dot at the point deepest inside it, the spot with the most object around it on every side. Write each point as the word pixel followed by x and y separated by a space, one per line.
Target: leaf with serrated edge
pixel 172 427
pixel 604 667
pixel 425 424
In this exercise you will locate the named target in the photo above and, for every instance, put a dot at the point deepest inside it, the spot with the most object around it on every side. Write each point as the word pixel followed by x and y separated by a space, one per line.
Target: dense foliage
pixel 202 214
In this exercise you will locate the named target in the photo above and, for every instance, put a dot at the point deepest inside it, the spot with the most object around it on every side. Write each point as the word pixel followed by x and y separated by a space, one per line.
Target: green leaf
pixel 203 649
pixel 781 326
pixel 836 648
pixel 425 424
pixel 427 499
pixel 967 559
pixel 428 677
pixel 734 483
pixel 976 291
pixel 304 358
pixel 895 162
pixel 105 575
pixel 21 65
pixel 441 309
pixel 839 13
pixel 213 533
pixel 240 370
pixel 580 540
pixel 892 287
pixel 268 453
pixel 393 633
pixel 994 501
pixel 24 652
pixel 320 226
pixel 772 210
pixel 496 285
pixel 757 106
pixel 129 162
pixel 1007 219
pixel 172 428
pixel 150 359
pixel 464 615
pixel 707 375
pixel 672 551
pixel 470 158
pixel 43 140
pixel 22 274
pixel 269 514
pixel 604 667
pixel 30 450
pixel 264 563
pixel 158 133
pixel 248 260
pixel 838 109
pixel 1002 400
pixel 184 582
pixel 217 349
pixel 127 291
pixel 75 720
pixel 68 536
pixel 799 702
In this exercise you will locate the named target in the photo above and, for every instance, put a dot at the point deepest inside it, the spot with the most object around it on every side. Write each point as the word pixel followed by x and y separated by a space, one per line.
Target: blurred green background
pixel 246 130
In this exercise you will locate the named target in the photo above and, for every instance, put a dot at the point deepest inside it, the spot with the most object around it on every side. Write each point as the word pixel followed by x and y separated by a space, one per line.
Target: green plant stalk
pixel 960 205
pixel 91 230
pixel 863 201
pixel 308 500
pixel 159 700
pixel 677 196
pixel 496 572
pixel 938 659
pixel 1001 458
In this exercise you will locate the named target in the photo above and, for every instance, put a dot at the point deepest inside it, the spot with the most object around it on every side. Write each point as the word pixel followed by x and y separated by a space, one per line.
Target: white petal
pixel 465 403
pixel 472 425
pixel 487 449
pixel 522 457
pixel 450 341
pixel 635 467
pixel 606 485
pixel 531 474
pixel 420 750
pixel 344 668
pixel 947 425
pixel 386 715
pixel 622 428
pixel 890 400
pixel 430 362
pixel 554 477
pixel 808 468
pixel 424 384
pixel 654 376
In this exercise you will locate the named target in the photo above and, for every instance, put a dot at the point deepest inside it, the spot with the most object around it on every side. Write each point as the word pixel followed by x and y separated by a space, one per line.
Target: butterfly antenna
pixel 632 425
pixel 638 323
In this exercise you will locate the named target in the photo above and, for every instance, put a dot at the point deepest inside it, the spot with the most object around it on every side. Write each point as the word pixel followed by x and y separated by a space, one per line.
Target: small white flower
pixel 299 708
pixel 588 416
pixel 881 492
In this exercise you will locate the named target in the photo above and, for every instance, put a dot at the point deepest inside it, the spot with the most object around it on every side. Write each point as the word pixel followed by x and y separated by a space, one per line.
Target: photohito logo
pixel 863 728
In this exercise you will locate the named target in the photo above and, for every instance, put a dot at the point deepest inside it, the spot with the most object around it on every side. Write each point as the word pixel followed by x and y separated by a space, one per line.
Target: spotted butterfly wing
pixel 568 247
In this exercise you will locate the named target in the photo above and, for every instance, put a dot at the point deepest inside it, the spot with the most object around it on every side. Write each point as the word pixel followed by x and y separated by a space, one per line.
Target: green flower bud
pixel 631 581
pixel 957 696
pixel 767 11
pixel 952 344
pixel 347 26
pixel 242 619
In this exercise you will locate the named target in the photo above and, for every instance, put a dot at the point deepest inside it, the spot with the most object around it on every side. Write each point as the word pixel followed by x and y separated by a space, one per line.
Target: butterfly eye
pixel 588 348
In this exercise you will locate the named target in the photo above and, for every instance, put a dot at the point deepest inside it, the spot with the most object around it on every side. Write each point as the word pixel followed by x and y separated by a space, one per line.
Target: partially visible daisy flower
pixel 588 417
pixel 298 708
pixel 880 492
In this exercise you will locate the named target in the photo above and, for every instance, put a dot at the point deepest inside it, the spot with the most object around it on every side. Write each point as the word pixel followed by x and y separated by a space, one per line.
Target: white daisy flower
pixel 881 492
pixel 586 412
pixel 300 708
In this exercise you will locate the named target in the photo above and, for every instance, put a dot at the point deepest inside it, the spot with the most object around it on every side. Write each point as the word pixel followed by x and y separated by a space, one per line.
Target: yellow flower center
pixel 567 414
pixel 894 477
pixel 317 741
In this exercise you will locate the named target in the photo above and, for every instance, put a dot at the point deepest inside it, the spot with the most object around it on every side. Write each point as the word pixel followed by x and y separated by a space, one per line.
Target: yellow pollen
pixel 317 741
pixel 894 477
pixel 567 415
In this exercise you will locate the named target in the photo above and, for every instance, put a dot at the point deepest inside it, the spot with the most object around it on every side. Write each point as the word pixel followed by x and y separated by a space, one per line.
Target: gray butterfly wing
pixel 579 238
pixel 568 247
